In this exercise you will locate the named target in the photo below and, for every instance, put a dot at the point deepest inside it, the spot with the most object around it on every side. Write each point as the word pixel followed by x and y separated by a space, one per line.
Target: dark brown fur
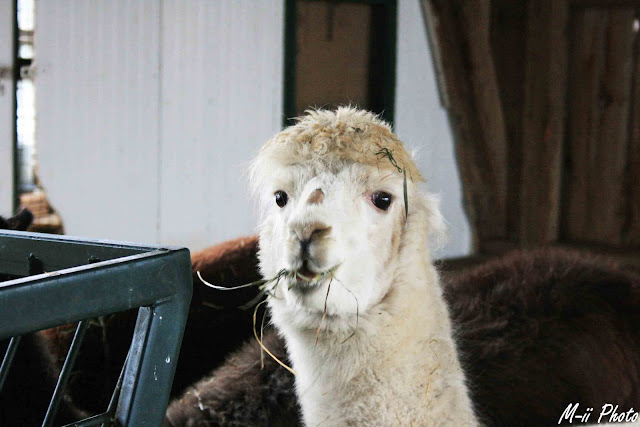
pixel 540 330
pixel 536 331
pixel 29 386
pixel 241 393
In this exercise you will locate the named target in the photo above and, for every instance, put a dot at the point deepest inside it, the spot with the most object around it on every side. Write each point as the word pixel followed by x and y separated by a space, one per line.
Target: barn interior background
pixel 143 115
pixel 544 100
pixel 147 113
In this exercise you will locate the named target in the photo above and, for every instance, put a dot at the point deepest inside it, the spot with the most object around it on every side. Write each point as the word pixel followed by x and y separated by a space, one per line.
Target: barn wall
pixel 422 123
pixel 6 108
pixel 149 111
pixel 98 105
pixel 221 100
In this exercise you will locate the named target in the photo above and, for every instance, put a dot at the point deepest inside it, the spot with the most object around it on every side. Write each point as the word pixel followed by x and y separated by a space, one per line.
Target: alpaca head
pixel 331 190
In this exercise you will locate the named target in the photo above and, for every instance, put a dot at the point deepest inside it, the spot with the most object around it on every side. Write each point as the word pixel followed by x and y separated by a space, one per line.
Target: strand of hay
pixel 385 152
pixel 255 334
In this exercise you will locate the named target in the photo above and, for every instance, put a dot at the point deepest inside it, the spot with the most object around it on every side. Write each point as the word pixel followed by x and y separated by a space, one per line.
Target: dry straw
pixel 267 287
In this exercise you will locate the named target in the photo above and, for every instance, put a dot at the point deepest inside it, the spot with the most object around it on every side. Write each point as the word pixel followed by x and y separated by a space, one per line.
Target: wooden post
pixel 599 125
pixel 608 207
pixel 508 43
pixel 587 46
pixel 631 236
pixel 459 35
pixel 543 123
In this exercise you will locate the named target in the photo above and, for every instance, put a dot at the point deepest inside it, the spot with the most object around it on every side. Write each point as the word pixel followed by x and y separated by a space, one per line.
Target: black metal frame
pixel 81 279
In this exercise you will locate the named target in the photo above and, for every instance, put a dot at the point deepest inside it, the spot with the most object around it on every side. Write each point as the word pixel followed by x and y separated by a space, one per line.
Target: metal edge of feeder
pixel 119 276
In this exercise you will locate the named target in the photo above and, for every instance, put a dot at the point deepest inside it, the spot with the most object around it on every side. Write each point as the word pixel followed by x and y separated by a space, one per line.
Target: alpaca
pixel 360 306
pixel 535 331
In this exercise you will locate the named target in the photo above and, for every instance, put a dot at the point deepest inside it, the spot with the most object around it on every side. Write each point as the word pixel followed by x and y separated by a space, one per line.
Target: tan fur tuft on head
pixel 333 137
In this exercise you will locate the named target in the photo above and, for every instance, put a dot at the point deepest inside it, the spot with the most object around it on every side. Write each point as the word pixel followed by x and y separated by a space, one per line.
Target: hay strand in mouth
pixel 385 152
pixel 263 285
pixel 222 288
pixel 324 312
pixel 262 346
pixel 266 288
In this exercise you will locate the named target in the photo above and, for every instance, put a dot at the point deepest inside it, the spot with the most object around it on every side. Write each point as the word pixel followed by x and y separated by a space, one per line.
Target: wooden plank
pixel 607 207
pixel 432 25
pixel 475 23
pixel 508 43
pixel 586 63
pixel 603 4
pixel 466 71
pixel 631 232
pixel 330 37
pixel 543 122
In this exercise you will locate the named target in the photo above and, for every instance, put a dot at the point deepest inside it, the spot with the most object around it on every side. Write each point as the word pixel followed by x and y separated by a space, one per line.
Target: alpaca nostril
pixel 304 246
pixel 313 232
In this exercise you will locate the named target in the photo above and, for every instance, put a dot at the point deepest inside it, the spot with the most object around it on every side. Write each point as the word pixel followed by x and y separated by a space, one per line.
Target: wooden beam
pixel 459 31
pixel 475 19
pixel 587 37
pixel 602 4
pixel 608 193
pixel 543 123
pixel 631 232
pixel 508 43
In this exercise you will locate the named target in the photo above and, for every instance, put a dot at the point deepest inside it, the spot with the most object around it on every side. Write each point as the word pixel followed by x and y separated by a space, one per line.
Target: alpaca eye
pixel 281 198
pixel 381 200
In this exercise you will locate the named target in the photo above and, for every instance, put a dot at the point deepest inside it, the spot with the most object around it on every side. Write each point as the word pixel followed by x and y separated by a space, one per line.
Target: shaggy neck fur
pixel 401 365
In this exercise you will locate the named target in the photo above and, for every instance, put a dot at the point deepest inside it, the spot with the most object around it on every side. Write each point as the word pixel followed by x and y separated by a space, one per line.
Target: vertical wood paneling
pixel 332 37
pixel 587 42
pixel 475 21
pixel 476 120
pixel 221 100
pixel 598 143
pixel 97 101
pixel 7 90
pixel 508 43
pixel 609 196
pixel 631 232
pixel 543 122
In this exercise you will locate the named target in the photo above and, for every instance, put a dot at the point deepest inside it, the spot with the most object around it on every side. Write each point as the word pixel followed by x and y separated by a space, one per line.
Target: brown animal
pixel 537 331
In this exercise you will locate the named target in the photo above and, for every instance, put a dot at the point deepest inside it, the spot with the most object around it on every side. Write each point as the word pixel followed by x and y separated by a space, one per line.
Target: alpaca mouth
pixel 305 275
pixel 306 279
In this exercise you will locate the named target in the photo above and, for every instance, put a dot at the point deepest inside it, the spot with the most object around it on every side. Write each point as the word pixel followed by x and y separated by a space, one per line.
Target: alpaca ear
pixel 435 223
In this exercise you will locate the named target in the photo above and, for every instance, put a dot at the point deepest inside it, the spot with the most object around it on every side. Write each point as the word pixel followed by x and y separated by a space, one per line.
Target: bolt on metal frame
pixel 80 279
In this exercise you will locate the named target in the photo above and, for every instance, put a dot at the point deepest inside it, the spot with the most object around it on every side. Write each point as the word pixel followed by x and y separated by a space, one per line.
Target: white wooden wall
pixel 148 113
pixel 6 108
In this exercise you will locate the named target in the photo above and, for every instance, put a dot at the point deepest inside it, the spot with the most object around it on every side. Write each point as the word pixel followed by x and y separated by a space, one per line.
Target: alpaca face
pixel 338 231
